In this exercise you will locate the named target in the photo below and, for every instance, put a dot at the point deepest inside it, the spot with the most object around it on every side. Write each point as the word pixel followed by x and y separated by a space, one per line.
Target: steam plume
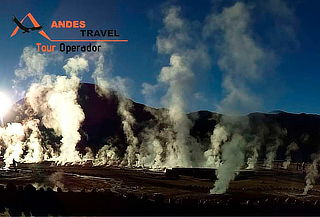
pixel 218 138
pixel 233 159
pixel 240 57
pixel 175 40
pixel 253 148
pixel 20 137
pixel 55 99
pixel 312 174
pixel 272 147
pixel 132 153
pixel 155 139
pixel 105 83
pixel 32 64
pixel 241 60
pixel 291 148
pixel 107 155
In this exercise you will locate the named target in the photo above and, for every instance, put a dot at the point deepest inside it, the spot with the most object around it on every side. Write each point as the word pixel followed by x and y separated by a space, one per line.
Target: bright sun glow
pixel 5 105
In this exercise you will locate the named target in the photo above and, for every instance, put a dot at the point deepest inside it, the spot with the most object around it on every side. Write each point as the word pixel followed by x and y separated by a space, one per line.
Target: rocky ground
pixel 143 192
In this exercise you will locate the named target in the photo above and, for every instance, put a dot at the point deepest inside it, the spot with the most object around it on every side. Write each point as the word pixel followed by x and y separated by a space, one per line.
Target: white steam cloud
pixel 291 148
pixel 240 57
pixel 273 146
pixel 233 159
pixel 312 174
pixel 54 99
pixel 241 60
pixel 32 64
pixel 218 138
pixel 184 51
pixel 105 84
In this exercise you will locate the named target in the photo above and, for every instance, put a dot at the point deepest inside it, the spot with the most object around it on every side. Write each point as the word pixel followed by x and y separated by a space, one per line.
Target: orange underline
pixel 86 40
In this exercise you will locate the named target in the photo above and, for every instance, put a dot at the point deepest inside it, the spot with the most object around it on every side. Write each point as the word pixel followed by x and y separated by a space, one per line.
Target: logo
pixel 35 23
pixel 96 35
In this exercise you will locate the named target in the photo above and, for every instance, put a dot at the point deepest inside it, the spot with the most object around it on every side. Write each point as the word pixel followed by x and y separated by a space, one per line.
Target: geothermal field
pixel 123 159
pixel 72 148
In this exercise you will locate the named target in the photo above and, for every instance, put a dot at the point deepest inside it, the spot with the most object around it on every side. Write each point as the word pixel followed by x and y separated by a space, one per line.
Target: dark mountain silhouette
pixel 103 125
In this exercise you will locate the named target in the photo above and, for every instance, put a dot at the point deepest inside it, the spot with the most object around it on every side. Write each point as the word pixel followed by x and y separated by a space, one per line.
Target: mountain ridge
pixel 102 124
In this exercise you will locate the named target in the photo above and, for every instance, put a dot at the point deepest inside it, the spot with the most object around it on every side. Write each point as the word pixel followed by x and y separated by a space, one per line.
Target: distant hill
pixel 102 124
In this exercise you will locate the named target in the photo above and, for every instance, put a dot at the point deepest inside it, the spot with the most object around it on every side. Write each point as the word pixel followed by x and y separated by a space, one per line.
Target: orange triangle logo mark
pixel 35 24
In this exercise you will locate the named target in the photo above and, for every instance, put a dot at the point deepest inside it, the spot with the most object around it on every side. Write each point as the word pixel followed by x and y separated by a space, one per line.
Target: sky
pixel 282 35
